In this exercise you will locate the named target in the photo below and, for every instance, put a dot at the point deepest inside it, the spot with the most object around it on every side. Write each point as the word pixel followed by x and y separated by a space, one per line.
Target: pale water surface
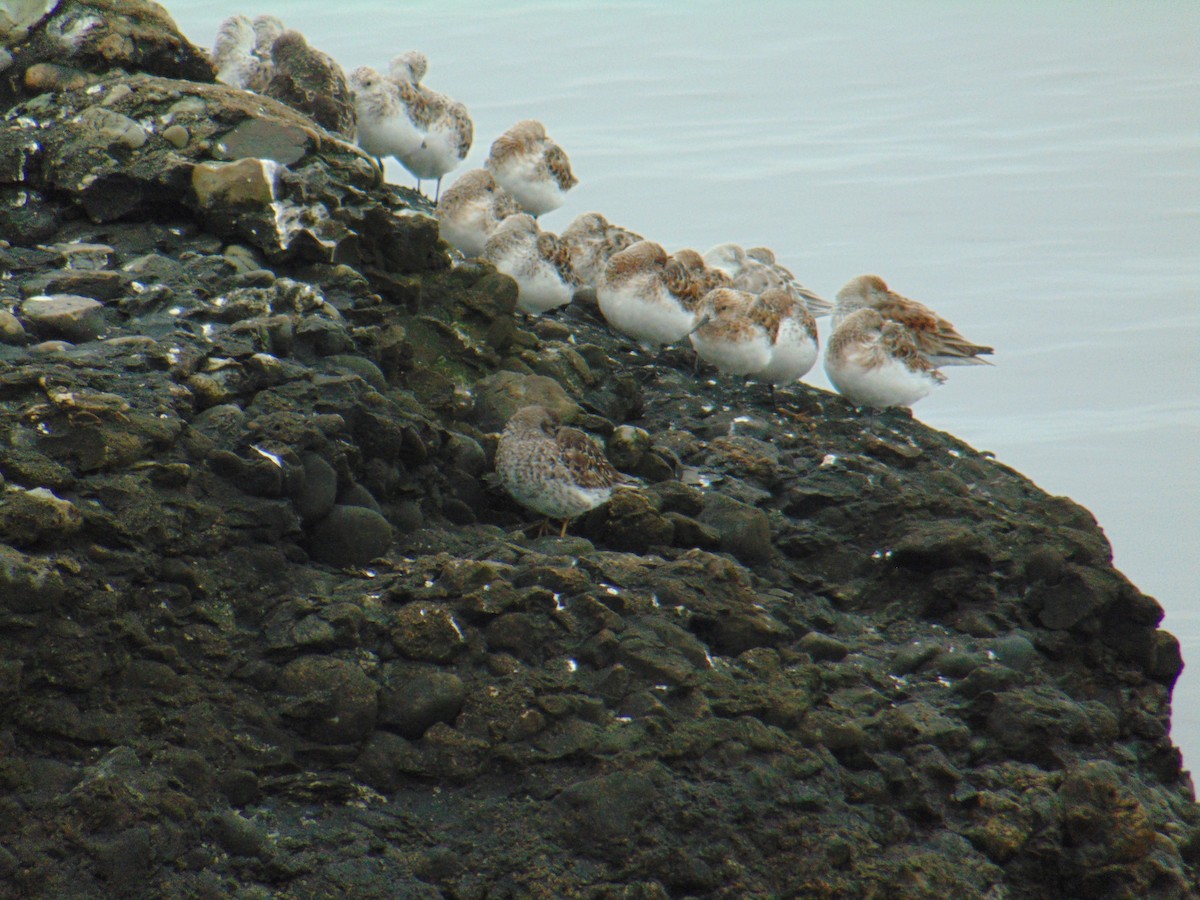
pixel 1031 170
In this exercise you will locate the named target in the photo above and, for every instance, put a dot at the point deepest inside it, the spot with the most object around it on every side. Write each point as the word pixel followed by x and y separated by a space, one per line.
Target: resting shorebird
pixel 474 206
pixel 383 127
pixel 793 330
pixel 233 55
pixel 755 270
pixel 531 167
pixel 593 241
pixel 873 361
pixel 536 259
pixel 444 125
pixel 935 338
pixel 553 470
pixel 729 336
pixel 648 295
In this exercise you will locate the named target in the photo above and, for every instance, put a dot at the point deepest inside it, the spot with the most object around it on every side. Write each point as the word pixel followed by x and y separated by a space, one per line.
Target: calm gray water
pixel 1030 170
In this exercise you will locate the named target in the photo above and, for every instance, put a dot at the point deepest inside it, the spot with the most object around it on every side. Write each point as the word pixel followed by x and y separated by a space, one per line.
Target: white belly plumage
pixel 889 384
pixel 741 358
pixel 649 315
pixel 793 355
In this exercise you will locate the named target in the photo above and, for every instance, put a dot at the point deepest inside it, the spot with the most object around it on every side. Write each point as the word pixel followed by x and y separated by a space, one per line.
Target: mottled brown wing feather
pixel 420 110
pixel 682 283
pixel 909 313
pixel 465 128
pixel 504 147
pixel 587 464
pixel 631 260
pixel 933 334
pixel 768 317
pixel 555 251
pixel 901 343
pixel 560 167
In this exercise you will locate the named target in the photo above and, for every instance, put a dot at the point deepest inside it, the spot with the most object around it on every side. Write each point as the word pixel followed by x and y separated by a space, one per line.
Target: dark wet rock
pixel 388 761
pixel 687 532
pixel 266 627
pixel 238 835
pixel 411 699
pixel 627 446
pixel 822 646
pixel 316 498
pixel 350 536
pixel 1072 596
pixel 1016 651
pixel 602 813
pixel 92 283
pixel 499 396
pixel 632 521
pixel 311 82
pixel 29 517
pixel 11 330
pixel 95 37
pixel 745 531
pixel 427 631
pixel 329 699
pixel 66 316
pixel 28 583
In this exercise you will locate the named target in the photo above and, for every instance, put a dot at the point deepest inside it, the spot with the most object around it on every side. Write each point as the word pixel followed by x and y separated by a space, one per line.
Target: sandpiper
pixel 934 337
pixel 474 206
pixel 647 295
pixel 873 361
pixel 233 55
pixel 729 335
pixel 551 469
pixel 793 331
pixel 443 123
pixel 384 127
pixel 532 167
pixel 706 278
pixel 756 270
pixel 593 241
pixel 538 261
pixel 411 65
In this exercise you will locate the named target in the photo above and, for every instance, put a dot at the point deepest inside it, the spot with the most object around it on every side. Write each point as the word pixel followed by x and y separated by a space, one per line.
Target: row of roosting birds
pixel 742 311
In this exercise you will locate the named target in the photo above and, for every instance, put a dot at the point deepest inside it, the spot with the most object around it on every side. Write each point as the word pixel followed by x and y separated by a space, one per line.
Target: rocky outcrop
pixel 50 45
pixel 267 625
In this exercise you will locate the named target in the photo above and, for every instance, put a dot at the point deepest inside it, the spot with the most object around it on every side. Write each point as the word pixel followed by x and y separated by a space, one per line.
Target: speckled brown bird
pixel 532 167
pixel 553 469
pixel 934 337
pixel 648 295
pixel 473 208
pixel 593 241
pixel 537 260
pixel 873 361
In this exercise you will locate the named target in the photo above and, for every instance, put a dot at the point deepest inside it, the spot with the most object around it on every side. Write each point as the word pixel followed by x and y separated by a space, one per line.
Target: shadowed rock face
pixel 263 613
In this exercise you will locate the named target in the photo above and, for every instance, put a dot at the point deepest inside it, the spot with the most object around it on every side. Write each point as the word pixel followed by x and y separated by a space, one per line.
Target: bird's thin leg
pixel 437 193
pixel 563 533
pixel 418 185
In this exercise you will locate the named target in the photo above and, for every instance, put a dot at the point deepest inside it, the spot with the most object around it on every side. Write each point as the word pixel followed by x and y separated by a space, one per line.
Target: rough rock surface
pixel 266 627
